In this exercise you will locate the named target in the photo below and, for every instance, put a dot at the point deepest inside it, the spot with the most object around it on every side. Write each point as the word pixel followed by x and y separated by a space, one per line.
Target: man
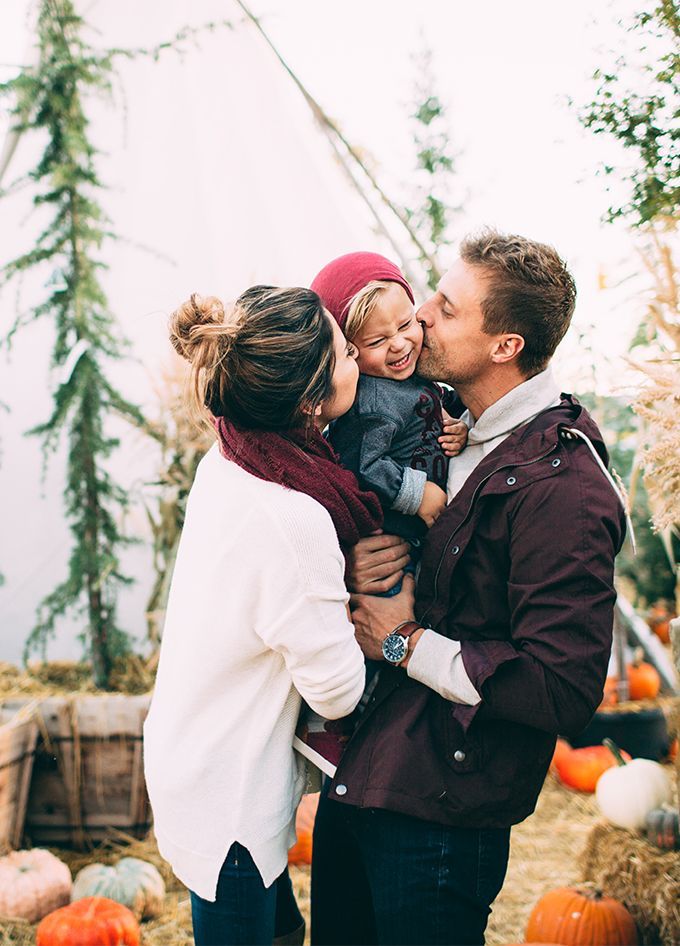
pixel 509 640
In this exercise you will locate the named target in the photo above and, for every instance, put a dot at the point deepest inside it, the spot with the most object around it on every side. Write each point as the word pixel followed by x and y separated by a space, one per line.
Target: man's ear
pixel 307 409
pixel 507 348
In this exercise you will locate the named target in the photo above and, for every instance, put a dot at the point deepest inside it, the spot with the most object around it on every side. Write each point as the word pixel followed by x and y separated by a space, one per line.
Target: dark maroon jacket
pixel 519 568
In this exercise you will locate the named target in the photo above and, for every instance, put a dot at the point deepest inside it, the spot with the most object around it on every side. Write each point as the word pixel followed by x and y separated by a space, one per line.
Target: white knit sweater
pixel 256 620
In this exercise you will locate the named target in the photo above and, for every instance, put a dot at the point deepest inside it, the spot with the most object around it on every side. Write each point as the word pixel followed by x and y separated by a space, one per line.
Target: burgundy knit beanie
pixel 344 277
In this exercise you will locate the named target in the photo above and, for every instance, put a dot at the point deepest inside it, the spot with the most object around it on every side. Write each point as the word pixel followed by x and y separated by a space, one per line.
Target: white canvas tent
pixel 218 178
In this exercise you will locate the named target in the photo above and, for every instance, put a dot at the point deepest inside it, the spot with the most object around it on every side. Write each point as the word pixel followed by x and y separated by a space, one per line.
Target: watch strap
pixel 406 628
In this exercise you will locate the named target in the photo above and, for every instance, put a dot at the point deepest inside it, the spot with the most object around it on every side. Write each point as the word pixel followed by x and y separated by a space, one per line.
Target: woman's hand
pixel 454 438
pixel 376 563
pixel 374 618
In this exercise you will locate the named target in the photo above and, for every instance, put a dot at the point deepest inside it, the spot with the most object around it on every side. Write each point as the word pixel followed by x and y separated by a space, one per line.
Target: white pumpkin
pixel 627 793
pixel 32 884
pixel 132 882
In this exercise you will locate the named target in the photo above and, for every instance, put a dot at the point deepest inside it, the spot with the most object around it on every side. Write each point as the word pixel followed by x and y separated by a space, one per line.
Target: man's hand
pixel 376 563
pixel 454 438
pixel 374 618
pixel 433 504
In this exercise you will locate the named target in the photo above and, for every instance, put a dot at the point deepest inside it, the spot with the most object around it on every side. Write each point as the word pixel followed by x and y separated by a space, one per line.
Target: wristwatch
pixel 395 645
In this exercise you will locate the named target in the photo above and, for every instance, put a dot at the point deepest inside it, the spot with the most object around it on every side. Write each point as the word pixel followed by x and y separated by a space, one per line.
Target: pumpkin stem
pixel 615 751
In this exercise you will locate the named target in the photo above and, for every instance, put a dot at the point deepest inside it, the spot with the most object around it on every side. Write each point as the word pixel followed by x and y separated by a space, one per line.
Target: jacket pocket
pixel 463 753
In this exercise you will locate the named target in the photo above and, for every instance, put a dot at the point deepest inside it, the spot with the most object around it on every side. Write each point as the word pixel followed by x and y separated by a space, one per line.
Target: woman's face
pixel 344 381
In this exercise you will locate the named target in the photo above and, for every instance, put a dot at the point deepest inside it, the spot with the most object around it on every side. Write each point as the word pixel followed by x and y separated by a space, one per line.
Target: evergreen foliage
pixel 647 122
pixel 49 101
pixel 435 174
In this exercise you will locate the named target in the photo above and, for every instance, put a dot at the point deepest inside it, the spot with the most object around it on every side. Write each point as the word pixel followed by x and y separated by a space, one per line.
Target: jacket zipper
pixel 365 714
pixel 473 499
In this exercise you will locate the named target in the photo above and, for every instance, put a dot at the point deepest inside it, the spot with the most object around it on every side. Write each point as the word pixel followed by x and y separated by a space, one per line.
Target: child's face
pixel 390 340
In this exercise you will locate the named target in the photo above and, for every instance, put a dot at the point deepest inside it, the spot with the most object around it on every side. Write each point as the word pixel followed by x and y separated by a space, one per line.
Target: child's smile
pixel 402 363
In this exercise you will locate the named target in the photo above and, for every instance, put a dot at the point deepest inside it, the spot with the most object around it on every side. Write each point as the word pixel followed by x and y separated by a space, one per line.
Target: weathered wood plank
pixel 88 774
pixel 18 737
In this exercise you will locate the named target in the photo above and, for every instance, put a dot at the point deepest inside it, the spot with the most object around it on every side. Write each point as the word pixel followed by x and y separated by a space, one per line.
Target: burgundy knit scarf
pixel 306 463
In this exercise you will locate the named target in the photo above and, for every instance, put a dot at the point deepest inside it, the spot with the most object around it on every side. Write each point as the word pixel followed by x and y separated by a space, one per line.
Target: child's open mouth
pixel 402 363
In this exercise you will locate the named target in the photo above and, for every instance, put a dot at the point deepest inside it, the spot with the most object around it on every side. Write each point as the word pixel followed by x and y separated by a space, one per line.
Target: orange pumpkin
pixel 581 768
pixel 581 918
pixel 610 696
pixel 562 750
pixel 92 921
pixel 659 620
pixel 644 681
pixel 301 852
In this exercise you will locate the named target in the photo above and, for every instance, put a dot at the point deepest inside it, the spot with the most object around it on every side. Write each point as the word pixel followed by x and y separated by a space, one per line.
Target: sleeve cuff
pixel 410 496
pixel 437 662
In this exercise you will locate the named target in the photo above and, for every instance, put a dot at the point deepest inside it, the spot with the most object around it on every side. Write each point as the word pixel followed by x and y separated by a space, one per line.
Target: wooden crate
pixel 88 773
pixel 18 736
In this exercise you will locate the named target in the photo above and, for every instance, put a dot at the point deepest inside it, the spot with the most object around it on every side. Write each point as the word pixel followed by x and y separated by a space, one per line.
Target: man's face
pixel 455 348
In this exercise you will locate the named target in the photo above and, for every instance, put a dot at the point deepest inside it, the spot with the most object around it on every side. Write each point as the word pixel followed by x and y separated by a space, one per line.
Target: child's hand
pixel 454 438
pixel 433 503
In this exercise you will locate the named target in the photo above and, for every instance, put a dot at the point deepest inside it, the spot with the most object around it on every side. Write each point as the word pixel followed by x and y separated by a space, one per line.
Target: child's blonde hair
pixel 362 306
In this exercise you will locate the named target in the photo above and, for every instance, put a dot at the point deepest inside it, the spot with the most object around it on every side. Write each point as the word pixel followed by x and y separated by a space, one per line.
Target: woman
pixel 257 614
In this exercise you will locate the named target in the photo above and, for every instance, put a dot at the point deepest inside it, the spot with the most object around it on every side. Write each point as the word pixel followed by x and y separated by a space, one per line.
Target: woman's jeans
pixel 246 913
pixel 379 877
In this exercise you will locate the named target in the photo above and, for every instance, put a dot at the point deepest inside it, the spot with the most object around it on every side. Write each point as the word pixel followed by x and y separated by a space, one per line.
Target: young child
pixel 390 437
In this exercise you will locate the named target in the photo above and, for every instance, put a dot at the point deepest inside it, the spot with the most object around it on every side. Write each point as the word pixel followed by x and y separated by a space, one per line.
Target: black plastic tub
pixel 642 733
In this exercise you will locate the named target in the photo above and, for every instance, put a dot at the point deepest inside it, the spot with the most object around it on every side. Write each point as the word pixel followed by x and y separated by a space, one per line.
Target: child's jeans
pixel 411 568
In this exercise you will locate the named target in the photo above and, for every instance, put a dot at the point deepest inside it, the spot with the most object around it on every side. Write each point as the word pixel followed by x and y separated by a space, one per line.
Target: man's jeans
pixel 379 877
pixel 246 913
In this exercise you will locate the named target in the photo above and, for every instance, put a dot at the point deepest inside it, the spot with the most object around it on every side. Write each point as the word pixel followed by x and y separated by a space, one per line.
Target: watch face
pixel 394 648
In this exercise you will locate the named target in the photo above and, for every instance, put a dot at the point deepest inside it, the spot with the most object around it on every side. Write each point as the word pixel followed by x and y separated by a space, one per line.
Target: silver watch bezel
pixel 390 641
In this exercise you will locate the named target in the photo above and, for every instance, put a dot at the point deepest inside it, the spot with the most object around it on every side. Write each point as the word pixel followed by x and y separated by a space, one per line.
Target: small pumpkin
pixel 562 750
pixel 301 852
pixel 659 619
pixel 581 918
pixel 644 681
pixel 662 828
pixel 610 694
pixel 629 791
pixel 581 768
pixel 32 884
pixel 93 921
pixel 133 882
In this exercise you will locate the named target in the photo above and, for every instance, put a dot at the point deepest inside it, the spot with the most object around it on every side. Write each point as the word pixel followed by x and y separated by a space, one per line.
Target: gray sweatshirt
pixel 389 440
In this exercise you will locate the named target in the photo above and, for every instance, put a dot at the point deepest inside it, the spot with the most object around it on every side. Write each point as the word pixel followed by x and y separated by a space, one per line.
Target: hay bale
pixel 625 866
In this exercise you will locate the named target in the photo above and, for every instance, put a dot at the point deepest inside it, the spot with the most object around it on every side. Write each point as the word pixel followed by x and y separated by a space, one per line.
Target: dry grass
pixel 645 879
pixel 544 854
pixel 130 675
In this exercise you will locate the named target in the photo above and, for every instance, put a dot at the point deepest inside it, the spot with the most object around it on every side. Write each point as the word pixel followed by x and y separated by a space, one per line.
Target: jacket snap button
pixel 455 550
pixel 340 789
pixel 556 462
pixel 511 480
pixel 459 755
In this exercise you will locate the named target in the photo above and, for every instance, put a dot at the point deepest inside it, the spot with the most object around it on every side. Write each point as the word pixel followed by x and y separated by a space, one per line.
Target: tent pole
pixel 332 131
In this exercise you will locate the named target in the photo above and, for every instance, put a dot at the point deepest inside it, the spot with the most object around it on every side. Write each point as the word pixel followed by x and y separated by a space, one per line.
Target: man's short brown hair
pixel 530 292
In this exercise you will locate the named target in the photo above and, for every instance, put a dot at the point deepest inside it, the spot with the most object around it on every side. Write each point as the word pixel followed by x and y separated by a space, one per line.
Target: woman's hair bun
pixel 189 322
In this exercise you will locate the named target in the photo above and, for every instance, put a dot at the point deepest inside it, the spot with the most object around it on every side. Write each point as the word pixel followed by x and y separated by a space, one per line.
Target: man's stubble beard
pixel 431 365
